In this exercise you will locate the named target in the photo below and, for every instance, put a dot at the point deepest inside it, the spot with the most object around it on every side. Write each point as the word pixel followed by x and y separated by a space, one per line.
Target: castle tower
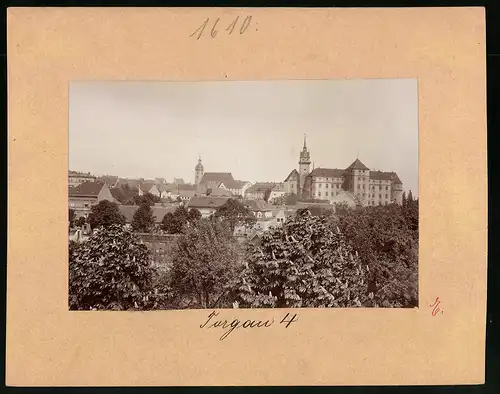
pixel 304 166
pixel 198 172
pixel 358 181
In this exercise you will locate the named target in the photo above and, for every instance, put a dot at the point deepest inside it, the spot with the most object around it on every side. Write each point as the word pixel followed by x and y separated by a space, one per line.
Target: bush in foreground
pixel 110 271
pixel 303 264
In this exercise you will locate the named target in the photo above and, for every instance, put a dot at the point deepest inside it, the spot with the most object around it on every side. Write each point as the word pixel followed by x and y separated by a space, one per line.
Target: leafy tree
pixel 110 271
pixel 167 223
pixel 341 208
pixel 316 210
pixel 386 243
pixel 194 215
pixel 80 221
pixel 235 213
pixel 410 212
pixel 174 223
pixel 106 213
pixel 71 217
pixel 205 259
pixel 305 263
pixel 278 200
pixel 147 198
pixel 143 220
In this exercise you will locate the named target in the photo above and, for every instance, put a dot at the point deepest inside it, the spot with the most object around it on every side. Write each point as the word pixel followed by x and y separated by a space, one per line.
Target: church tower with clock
pixel 304 165
pixel 198 172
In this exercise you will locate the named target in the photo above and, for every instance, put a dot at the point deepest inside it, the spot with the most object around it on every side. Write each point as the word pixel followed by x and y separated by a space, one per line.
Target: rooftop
pixel 207 202
pixel 86 189
pixel 217 177
pixel 357 165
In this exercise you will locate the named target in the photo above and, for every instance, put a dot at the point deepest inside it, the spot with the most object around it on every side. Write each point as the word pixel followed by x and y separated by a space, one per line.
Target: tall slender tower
pixel 198 172
pixel 304 166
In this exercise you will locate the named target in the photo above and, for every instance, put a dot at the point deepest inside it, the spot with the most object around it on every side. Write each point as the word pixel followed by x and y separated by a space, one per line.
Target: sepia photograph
pixel 243 194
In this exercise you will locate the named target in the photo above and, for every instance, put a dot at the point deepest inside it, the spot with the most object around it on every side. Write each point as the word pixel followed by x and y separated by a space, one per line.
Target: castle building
pixel 357 183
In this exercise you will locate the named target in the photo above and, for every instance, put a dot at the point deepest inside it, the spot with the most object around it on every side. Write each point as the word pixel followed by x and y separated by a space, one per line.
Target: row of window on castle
pixel 360 187
pixel 359 195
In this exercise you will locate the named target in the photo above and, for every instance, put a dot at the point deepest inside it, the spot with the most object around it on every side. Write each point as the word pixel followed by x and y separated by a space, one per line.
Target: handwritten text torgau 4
pixel 229 326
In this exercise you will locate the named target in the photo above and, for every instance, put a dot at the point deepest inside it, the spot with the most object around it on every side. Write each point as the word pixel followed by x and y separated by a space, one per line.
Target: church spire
pixel 304 154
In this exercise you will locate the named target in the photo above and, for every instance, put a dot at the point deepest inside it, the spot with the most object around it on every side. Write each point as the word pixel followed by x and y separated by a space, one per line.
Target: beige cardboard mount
pixel 444 48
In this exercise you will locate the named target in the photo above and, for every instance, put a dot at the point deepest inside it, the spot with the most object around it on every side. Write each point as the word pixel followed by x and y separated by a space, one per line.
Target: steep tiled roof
pixel 395 178
pixel 171 187
pixel 357 165
pixel 86 189
pixel 110 180
pixel 146 186
pixel 217 177
pixel 186 187
pixel 261 187
pixel 179 181
pixel 159 212
pixel 278 187
pixel 219 192
pixel 233 184
pixel 187 193
pixel 293 174
pixel 258 205
pixel 380 175
pixel 133 183
pixel 328 172
pixel 116 192
pixel 206 202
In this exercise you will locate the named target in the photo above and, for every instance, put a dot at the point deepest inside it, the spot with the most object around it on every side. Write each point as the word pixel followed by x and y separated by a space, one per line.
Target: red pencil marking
pixel 435 307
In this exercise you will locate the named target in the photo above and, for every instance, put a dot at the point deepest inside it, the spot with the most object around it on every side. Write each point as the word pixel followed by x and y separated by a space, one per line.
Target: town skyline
pixel 373 120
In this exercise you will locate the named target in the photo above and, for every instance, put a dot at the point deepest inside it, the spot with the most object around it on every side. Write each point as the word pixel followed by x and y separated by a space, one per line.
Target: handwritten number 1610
pixel 230 28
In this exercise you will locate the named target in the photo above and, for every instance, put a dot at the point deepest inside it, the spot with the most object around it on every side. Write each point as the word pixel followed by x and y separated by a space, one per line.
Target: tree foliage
pixel 71 217
pixel 234 213
pixel 175 222
pixel 194 215
pixel 143 220
pixel 106 214
pixel 110 271
pixel 386 238
pixel 124 194
pixel 147 198
pixel 80 221
pixel 305 263
pixel 204 260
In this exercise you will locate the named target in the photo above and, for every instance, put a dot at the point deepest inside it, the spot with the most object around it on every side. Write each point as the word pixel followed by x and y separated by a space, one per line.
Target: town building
pixel 76 178
pixel 148 187
pixel 356 184
pixel 267 191
pixel 207 205
pixel 109 180
pixel 82 197
pixel 208 182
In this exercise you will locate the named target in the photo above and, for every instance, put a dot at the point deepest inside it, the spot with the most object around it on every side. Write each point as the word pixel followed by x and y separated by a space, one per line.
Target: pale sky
pixel 253 129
